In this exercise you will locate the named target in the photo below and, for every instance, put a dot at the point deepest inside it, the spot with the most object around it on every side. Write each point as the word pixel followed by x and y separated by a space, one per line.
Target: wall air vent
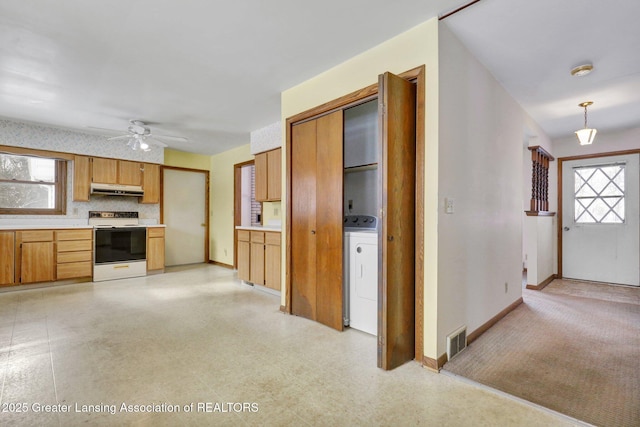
pixel 456 342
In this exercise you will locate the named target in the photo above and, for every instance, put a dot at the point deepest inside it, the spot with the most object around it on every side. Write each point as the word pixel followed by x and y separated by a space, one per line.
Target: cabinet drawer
pixel 272 238
pixel 36 236
pixel 84 234
pixel 66 257
pixel 74 245
pixel 244 235
pixel 73 270
pixel 257 237
pixel 155 232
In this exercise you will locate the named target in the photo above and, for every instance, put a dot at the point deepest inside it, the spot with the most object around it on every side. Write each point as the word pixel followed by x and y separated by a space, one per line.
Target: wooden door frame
pixel 561 160
pixel 237 205
pixel 417 76
pixel 206 201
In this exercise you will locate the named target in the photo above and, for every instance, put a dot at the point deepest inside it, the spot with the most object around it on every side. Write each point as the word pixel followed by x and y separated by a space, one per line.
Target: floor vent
pixel 456 342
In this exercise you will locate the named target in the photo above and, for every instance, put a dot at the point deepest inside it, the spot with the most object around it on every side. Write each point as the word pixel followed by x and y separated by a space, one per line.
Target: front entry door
pixel 600 220
pixel 397 154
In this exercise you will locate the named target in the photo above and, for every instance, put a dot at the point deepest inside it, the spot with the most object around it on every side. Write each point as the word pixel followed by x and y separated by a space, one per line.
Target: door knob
pixel 566 229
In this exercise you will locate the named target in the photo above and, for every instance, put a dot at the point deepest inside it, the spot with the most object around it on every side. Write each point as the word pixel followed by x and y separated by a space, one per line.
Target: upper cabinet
pixel 81 178
pixel 151 183
pixel 113 171
pixel 268 175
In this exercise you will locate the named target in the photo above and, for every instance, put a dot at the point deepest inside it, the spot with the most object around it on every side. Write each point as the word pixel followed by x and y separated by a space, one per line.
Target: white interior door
pixel 600 232
pixel 184 213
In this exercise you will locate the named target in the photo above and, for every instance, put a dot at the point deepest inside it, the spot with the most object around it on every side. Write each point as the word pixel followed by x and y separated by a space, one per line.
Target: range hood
pixel 116 190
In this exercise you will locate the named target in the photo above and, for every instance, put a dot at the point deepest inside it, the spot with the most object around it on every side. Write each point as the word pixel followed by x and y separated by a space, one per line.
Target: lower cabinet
pixel 272 261
pixel 259 258
pixel 74 252
pixel 35 256
pixel 7 257
pixel 244 255
pixel 155 249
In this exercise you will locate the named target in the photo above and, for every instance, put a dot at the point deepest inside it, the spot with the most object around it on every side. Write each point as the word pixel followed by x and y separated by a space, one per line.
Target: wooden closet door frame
pixel 417 76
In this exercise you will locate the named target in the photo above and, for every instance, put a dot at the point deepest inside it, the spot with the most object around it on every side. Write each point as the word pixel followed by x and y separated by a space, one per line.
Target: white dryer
pixel 361 273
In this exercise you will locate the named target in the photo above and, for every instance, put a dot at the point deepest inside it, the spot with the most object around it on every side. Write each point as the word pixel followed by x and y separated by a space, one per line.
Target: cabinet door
pixel 261 177
pixel 274 174
pixel 36 263
pixel 129 173
pixel 256 274
pixel 104 171
pixel 81 178
pixel 7 257
pixel 396 299
pixel 272 261
pixel 244 258
pixel 151 183
pixel 155 253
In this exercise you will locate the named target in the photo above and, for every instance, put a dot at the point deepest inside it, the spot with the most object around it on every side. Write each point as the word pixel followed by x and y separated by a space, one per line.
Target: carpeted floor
pixel 573 347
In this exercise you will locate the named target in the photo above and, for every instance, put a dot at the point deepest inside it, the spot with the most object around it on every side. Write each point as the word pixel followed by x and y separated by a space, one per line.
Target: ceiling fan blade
pixel 153 141
pixel 169 137
pixel 117 138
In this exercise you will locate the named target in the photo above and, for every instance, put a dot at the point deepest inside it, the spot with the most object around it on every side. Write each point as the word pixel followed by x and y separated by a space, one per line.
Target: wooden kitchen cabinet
pixel 272 258
pixel 129 173
pixel 104 171
pixel 155 249
pixel 256 273
pixel 268 175
pixel 244 255
pixel 7 257
pixel 35 256
pixel 115 171
pixel 151 183
pixel 81 178
pixel 74 253
pixel 259 258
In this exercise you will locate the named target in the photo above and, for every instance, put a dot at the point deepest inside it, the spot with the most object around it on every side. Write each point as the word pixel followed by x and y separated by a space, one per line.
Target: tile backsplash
pixel 41 137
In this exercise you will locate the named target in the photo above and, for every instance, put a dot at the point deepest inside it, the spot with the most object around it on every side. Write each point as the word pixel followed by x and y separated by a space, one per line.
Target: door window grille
pixel 599 194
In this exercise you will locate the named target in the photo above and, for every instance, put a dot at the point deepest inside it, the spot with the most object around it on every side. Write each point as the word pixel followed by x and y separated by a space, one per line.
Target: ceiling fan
pixel 139 137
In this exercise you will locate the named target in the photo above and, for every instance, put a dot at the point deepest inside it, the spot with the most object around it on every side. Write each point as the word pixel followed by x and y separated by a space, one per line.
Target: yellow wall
pixel 221 203
pixel 411 49
pixel 183 159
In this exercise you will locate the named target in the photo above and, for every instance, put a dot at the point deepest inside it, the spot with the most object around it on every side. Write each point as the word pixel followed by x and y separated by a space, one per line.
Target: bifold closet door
pixel 396 289
pixel 316 219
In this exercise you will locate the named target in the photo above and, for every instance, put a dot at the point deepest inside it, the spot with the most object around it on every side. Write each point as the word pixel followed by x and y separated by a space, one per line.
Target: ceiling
pixel 213 71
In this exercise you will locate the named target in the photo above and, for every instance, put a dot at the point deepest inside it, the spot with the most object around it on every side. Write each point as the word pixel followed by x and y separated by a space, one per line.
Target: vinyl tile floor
pixel 195 346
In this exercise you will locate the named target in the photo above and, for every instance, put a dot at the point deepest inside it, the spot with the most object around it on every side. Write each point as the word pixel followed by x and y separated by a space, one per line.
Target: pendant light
pixel 586 136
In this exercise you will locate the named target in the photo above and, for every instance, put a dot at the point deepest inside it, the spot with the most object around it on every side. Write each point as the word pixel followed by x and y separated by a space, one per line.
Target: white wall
pixel 481 168
pixel 28 135
pixel 604 143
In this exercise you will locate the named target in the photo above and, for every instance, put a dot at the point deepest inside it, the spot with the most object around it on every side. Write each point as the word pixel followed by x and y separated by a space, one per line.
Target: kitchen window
pixel 31 185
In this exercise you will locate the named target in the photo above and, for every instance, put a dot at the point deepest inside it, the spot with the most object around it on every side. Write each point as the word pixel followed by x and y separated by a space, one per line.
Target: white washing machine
pixel 361 273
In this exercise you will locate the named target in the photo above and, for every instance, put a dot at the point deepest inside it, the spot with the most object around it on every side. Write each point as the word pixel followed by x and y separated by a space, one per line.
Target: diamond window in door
pixel 599 194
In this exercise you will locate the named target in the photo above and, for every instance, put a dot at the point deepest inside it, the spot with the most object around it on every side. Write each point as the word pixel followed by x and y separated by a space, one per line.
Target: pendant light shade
pixel 586 136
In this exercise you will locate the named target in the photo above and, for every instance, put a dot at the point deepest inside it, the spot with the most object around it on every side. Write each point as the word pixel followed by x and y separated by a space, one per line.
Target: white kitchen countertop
pixel 58 226
pixel 259 228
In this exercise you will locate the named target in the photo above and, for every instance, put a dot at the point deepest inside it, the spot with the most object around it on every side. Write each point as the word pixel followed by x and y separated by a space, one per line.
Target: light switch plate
pixel 448 205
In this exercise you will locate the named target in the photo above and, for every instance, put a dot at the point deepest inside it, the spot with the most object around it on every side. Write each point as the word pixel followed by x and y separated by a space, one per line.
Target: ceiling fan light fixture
pixel 582 70
pixel 587 135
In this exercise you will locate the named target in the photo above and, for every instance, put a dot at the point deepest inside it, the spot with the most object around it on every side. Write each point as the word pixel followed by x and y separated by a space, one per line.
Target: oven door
pixel 120 244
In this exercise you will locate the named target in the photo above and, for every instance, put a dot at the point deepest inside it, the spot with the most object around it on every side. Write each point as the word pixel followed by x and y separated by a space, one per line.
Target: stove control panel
pixel 105 214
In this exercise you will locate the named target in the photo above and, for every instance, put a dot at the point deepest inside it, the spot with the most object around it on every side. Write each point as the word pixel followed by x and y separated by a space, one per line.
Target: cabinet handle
pixel 313 231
